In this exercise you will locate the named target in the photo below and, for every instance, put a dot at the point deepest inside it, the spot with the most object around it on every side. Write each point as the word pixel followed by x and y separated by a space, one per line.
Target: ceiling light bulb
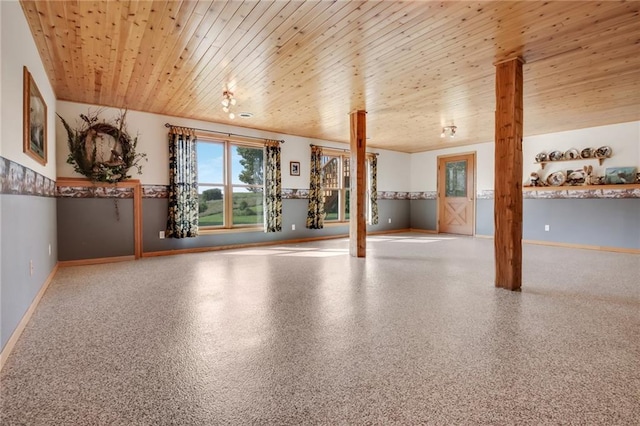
pixel 442 135
pixel 225 102
pixel 225 109
pixel 233 101
pixel 232 115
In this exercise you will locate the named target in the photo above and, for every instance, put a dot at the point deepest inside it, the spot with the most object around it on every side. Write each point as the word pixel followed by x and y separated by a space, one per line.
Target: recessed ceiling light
pixel 245 115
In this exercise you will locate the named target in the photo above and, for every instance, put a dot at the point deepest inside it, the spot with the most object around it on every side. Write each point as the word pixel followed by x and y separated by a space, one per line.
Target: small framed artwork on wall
pixel 34 120
pixel 294 168
pixel 618 175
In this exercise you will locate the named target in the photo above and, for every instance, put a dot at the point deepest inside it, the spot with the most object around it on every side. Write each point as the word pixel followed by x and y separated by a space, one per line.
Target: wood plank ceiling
pixel 301 66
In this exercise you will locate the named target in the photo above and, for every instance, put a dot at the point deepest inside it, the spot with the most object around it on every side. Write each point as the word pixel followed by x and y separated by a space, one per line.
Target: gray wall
pixel 396 210
pixel 484 217
pixel 607 222
pixel 293 212
pixel 89 228
pixel 28 225
pixel 598 222
pixel 424 214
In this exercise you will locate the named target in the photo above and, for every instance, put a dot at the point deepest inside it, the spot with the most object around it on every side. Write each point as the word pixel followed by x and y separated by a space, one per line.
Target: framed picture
pixel 34 118
pixel 294 168
pixel 618 175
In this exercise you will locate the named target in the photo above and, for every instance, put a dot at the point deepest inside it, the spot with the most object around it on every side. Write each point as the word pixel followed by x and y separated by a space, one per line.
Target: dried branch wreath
pixel 90 145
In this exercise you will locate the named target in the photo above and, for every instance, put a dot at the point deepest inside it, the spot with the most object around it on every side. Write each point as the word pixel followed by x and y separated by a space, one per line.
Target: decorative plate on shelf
pixel 555 156
pixel 603 152
pixel 575 177
pixel 556 178
pixel 541 157
pixel 587 153
pixel 571 154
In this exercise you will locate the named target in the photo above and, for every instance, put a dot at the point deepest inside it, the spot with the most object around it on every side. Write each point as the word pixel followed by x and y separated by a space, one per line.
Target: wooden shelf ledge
pixel 580 187
pixel 564 160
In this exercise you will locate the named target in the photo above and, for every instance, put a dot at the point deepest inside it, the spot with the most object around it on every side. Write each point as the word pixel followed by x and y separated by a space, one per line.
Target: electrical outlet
pixel 31 268
pixel 546 228
pixel 389 220
pixel 293 227
pixel 161 235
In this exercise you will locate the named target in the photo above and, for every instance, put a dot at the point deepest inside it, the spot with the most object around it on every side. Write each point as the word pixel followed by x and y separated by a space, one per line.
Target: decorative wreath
pixel 88 161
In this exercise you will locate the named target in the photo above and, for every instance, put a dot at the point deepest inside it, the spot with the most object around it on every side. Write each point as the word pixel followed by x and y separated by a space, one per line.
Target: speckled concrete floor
pixel 415 333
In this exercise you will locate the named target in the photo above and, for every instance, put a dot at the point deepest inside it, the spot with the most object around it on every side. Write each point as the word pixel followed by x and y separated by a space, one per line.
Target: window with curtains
pixel 230 184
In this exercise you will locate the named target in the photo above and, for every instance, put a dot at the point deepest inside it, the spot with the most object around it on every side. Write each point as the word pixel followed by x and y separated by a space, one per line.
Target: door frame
pixel 441 159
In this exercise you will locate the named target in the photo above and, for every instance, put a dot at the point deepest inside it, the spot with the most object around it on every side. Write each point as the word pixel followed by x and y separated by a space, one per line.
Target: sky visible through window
pixel 211 165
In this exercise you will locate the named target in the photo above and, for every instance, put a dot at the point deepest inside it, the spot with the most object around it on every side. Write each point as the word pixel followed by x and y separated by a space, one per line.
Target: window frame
pixel 345 156
pixel 340 187
pixel 227 185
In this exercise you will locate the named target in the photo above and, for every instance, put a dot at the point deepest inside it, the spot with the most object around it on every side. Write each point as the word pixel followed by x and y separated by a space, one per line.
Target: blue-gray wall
pixel 28 225
pixel 88 227
pixel 484 217
pixel 294 212
pixel 424 214
pixel 604 222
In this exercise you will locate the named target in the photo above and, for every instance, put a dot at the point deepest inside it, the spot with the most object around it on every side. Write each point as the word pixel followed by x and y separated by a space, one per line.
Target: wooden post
pixel 508 175
pixel 358 190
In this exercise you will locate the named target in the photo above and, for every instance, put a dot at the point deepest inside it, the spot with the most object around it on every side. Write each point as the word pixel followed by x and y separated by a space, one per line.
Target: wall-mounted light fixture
pixel 228 101
pixel 448 131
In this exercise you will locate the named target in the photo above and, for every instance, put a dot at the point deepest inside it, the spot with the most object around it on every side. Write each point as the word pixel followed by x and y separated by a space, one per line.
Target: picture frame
pixel 34 118
pixel 620 175
pixel 294 168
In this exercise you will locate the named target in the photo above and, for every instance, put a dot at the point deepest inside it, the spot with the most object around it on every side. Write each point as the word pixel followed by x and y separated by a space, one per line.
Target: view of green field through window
pixel 230 186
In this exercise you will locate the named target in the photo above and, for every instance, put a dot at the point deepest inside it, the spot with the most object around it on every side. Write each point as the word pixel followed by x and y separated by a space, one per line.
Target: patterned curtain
pixel 373 189
pixel 272 188
pixel 315 214
pixel 183 184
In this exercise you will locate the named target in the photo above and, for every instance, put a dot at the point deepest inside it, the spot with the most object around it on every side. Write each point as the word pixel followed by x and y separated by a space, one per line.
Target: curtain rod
pixel 224 133
pixel 341 149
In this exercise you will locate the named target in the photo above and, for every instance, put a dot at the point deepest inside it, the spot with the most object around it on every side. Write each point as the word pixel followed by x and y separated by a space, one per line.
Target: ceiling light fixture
pixel 448 131
pixel 228 101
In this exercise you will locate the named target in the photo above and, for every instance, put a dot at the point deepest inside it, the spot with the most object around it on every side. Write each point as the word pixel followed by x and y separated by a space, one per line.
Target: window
pixel 336 180
pixel 230 184
pixel 335 186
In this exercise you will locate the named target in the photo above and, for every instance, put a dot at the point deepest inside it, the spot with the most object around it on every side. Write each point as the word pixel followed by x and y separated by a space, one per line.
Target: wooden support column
pixel 358 189
pixel 508 175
